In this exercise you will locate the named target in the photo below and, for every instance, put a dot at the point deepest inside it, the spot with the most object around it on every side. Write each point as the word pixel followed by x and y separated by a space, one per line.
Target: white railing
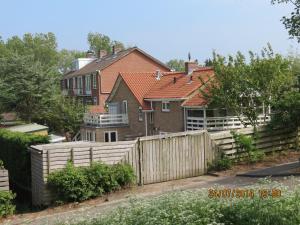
pixel 220 123
pixel 105 120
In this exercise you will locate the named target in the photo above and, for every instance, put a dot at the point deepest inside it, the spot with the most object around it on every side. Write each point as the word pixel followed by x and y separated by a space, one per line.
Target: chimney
pixel 190 67
pixel 89 54
pixel 101 54
pixel 116 49
pixel 158 74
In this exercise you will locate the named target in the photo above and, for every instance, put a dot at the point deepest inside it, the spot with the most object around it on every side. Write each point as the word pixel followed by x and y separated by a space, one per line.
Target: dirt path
pixel 93 208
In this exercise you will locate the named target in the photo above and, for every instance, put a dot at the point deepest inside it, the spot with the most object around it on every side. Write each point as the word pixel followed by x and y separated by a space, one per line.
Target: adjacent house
pixel 93 78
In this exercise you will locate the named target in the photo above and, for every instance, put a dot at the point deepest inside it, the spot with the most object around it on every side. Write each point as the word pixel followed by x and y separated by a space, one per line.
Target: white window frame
pixel 88 83
pixel 164 107
pixel 79 82
pixel 109 135
pixel 90 135
pixel 151 117
pixel 125 106
pixel 140 114
pixel 94 81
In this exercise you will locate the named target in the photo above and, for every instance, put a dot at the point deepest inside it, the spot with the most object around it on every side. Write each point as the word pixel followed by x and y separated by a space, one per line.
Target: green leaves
pixel 243 86
pixel 99 41
pixel 81 183
pixel 6 206
pixel 176 64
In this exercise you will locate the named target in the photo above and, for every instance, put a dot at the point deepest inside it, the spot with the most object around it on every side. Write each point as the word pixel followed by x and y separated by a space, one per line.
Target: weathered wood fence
pixel 267 140
pixel 154 159
pixel 4 183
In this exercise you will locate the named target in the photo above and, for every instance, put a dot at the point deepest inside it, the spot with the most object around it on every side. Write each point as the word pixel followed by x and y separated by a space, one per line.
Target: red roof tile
pixel 146 86
pixel 195 100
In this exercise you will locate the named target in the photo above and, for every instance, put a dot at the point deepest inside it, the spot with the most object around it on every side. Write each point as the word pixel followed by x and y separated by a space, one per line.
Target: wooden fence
pixel 267 140
pixel 50 157
pixel 4 183
pixel 154 159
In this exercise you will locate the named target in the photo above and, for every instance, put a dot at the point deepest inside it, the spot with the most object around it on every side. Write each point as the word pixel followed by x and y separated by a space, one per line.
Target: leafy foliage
pixel 176 64
pixel 292 23
pixel 99 41
pixel 246 145
pixel 196 208
pixel 81 183
pixel 6 205
pixel 1 165
pixel 15 155
pixel 241 87
pixel 224 163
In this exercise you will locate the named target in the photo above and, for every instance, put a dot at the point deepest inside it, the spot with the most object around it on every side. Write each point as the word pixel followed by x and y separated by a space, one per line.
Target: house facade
pixel 93 78
pixel 142 104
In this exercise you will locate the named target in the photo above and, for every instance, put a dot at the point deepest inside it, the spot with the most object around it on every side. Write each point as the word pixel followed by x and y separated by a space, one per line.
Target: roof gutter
pixel 164 99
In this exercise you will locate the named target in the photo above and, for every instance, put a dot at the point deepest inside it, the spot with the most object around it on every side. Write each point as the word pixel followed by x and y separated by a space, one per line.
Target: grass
pixel 196 207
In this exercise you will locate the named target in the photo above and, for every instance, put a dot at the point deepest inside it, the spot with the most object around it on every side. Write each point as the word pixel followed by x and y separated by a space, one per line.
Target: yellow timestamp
pixel 243 193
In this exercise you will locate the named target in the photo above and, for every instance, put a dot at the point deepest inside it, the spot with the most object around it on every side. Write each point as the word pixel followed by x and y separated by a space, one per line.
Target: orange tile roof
pixel 195 100
pixel 146 86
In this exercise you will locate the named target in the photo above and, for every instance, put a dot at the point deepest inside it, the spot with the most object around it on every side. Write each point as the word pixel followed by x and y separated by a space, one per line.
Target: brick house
pixel 92 79
pixel 153 103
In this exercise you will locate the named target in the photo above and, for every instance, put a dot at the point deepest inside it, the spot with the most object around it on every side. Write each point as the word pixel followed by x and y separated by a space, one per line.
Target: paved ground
pixel 93 208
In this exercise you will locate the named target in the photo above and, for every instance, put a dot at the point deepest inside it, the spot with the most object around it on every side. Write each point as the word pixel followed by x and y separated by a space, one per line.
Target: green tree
pixel 99 41
pixel 241 87
pixel 176 64
pixel 292 23
pixel 66 58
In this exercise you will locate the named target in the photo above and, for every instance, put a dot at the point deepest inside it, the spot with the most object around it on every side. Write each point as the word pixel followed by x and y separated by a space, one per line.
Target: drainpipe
pixel 146 125
pixel 204 118
pixel 184 116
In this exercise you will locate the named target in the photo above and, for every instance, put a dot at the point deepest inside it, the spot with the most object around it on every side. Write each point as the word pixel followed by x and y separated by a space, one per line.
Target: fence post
pixel 72 155
pixel 140 182
pixel 91 156
pixel 48 162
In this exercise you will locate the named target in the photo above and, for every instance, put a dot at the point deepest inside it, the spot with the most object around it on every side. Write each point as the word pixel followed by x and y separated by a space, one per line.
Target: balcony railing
pixel 105 120
pixel 220 123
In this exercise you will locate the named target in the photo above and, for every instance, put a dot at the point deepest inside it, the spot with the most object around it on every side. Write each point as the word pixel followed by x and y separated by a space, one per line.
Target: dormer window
pixel 165 106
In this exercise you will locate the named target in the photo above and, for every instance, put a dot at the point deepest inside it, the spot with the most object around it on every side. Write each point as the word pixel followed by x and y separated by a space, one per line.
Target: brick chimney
pixel 102 53
pixel 190 67
pixel 116 49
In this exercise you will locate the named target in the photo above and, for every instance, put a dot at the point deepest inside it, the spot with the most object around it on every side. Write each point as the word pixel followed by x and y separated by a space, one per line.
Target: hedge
pixel 15 156
pixel 81 183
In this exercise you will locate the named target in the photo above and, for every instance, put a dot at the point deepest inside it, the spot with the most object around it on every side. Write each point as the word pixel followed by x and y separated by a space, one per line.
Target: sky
pixel 166 29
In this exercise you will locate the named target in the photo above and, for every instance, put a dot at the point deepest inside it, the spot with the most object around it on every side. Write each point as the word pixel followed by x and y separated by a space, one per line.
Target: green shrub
pixel 1 165
pixel 81 183
pixel 70 184
pixel 224 163
pixel 14 151
pixel 245 144
pixel 196 208
pixel 6 206
pixel 124 174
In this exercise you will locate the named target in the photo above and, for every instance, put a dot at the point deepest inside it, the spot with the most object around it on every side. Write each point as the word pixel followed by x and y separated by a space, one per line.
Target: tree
pixel 66 58
pixel 241 87
pixel 176 64
pixel 99 41
pixel 292 23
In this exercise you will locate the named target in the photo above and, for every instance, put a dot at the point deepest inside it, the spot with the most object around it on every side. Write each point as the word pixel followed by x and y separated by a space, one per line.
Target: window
pixel 151 117
pixel 110 136
pixel 74 82
pixel 68 84
pixel 140 112
pixel 90 135
pixel 79 83
pixel 165 106
pixel 95 101
pixel 94 81
pixel 88 83
pixel 125 106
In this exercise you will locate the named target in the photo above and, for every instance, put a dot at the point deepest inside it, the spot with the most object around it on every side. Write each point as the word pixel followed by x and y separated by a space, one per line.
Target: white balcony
pixel 105 120
pixel 220 123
